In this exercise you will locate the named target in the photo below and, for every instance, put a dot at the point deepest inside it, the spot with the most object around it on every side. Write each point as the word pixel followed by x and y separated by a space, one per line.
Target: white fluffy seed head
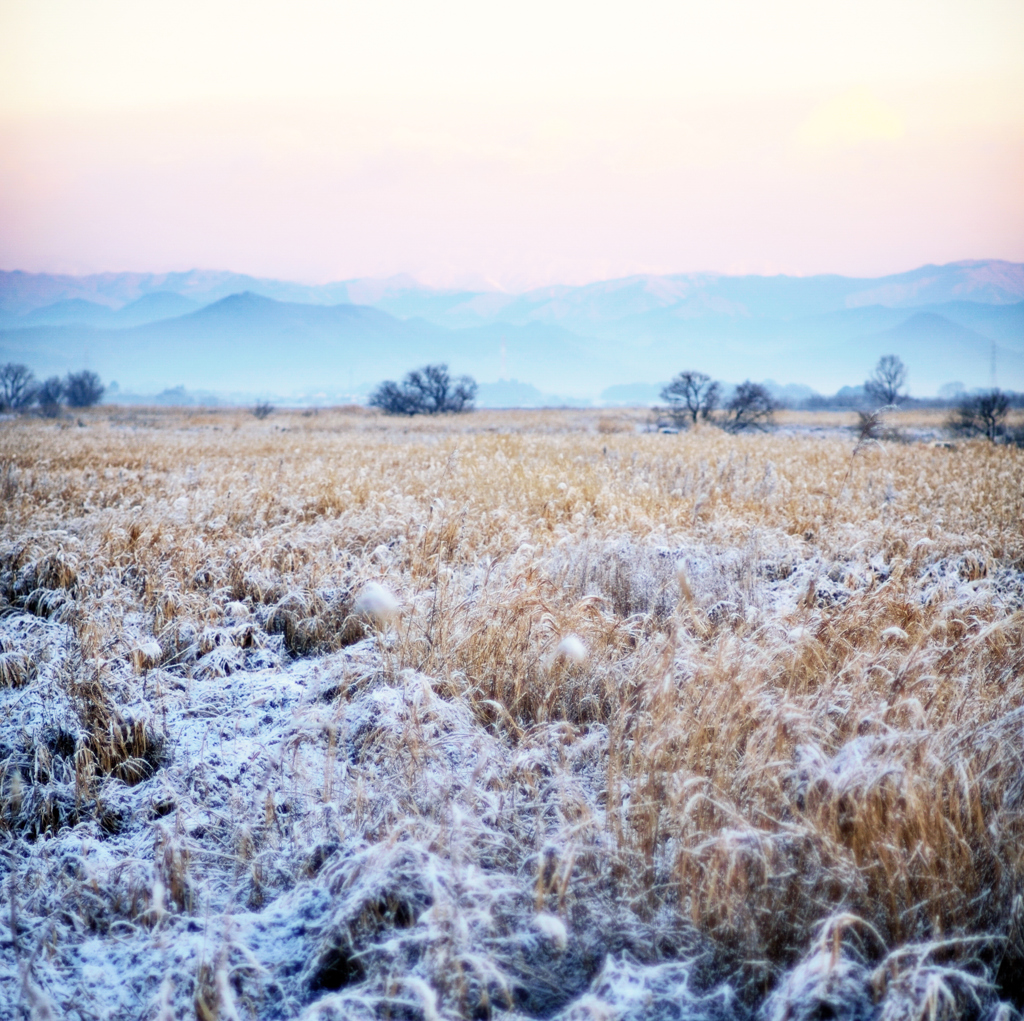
pixel 572 649
pixel 553 927
pixel 376 603
pixel 894 634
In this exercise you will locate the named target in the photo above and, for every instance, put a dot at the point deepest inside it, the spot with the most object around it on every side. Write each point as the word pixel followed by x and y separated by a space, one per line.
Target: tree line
pixel 20 391
pixel 694 396
pixel 690 397
pixel 978 414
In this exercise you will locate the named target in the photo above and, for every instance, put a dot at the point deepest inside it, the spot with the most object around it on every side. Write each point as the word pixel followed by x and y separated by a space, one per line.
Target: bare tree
pixel 886 383
pixel 394 399
pixel 427 391
pixel 691 395
pixel 751 407
pixel 981 415
pixel 82 389
pixel 17 386
pixel 49 395
pixel 439 392
pixel 263 409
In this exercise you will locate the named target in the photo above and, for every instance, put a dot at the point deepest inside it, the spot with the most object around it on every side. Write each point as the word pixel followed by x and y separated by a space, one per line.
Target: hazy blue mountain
pixel 68 310
pixel 251 343
pixel 593 307
pixel 828 352
pixel 146 331
pixel 242 342
pixel 153 307
pixel 937 351
pixel 147 309
pixel 22 292
pixel 989 282
pixel 1003 323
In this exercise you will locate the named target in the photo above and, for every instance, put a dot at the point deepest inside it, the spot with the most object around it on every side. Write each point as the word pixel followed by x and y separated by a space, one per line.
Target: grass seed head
pixel 376 604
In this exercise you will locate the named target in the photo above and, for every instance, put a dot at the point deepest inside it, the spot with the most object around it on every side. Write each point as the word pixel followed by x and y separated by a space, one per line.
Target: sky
pixel 509 145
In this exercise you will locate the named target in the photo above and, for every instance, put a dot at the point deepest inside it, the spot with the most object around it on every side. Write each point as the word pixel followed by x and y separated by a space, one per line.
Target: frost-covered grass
pixel 521 715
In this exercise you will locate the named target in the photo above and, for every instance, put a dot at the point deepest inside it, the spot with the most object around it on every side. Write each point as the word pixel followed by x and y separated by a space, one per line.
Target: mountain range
pixel 220 331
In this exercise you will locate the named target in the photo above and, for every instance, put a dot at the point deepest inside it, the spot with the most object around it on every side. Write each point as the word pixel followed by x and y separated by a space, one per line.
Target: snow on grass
pixel 560 727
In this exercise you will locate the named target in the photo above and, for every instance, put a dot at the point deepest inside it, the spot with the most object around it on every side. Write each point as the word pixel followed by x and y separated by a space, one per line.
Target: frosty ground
pixel 522 715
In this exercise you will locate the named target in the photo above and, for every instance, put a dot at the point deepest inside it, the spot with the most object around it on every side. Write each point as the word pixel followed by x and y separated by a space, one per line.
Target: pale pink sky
pixel 523 143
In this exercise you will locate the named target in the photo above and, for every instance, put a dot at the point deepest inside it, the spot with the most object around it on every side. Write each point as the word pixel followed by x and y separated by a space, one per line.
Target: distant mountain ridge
pixel 698 295
pixel 986 281
pixel 22 292
pixel 149 308
pixel 218 330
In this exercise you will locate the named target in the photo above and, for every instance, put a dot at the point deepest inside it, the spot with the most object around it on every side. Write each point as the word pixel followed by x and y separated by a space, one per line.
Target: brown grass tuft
pixel 568 689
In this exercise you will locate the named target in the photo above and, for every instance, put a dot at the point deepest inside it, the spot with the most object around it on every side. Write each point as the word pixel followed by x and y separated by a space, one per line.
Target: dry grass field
pixel 512 715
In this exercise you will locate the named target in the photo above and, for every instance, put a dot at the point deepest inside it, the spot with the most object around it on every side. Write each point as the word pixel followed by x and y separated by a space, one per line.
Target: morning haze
pixel 225 333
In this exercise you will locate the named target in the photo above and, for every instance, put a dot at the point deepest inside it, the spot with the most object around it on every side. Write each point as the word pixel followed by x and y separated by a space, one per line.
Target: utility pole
pixel 993 366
